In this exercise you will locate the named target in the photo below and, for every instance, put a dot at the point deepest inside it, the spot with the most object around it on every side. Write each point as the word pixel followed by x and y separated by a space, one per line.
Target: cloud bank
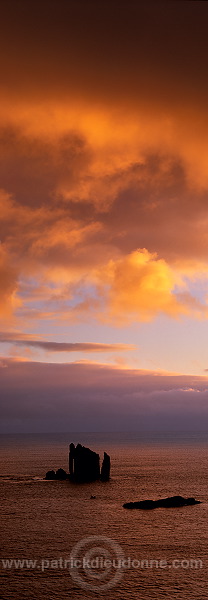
pixel 93 397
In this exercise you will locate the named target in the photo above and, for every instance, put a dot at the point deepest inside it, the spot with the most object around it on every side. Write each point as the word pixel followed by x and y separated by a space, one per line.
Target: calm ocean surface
pixel 42 521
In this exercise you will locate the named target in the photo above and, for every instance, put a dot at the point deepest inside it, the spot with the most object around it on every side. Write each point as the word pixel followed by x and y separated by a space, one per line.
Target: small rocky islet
pixel 171 502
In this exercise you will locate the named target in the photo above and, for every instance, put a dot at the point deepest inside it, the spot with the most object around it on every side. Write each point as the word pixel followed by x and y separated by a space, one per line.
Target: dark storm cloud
pixel 105 47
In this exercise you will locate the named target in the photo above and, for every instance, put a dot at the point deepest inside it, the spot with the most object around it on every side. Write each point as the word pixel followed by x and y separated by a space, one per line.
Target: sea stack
pixel 84 464
pixel 105 470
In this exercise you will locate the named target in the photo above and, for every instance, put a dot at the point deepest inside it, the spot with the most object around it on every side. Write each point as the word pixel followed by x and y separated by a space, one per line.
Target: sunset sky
pixel 103 214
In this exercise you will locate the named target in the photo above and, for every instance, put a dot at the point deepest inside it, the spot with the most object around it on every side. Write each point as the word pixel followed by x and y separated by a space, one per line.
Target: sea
pixel 61 540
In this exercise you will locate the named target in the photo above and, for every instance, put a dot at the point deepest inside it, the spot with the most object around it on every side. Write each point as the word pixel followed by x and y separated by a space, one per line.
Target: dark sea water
pixel 43 521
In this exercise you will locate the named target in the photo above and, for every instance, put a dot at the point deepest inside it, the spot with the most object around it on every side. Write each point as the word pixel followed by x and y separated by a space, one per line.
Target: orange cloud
pixel 140 286
pixel 8 286
pixel 78 266
pixel 97 161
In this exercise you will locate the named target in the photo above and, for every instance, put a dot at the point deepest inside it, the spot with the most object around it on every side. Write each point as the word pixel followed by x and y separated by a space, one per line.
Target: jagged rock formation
pixel 84 465
pixel 173 501
pixel 105 470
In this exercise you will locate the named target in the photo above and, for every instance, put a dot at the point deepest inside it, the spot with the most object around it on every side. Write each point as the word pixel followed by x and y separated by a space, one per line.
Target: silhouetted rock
pixel 50 475
pixel 105 470
pixel 84 464
pixel 59 475
pixel 173 501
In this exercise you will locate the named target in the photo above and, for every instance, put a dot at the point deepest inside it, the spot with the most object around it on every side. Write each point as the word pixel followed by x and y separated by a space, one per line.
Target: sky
pixel 103 215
